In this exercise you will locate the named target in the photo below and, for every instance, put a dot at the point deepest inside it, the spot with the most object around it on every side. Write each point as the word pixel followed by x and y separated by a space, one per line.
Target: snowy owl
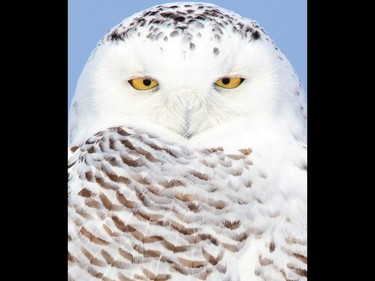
pixel 187 153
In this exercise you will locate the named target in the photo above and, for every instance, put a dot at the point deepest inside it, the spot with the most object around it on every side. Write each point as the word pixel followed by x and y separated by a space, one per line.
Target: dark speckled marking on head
pixel 255 35
pixel 179 19
pixel 174 33
pixel 159 35
pixel 217 38
pixel 187 37
pixel 114 36
pixel 181 27
pixel 216 51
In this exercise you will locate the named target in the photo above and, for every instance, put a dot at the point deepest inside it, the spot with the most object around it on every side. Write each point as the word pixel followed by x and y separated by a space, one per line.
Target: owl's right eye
pixel 143 83
pixel 229 82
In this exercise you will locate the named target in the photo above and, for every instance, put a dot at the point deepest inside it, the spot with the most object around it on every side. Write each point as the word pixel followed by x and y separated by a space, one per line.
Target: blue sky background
pixel 88 20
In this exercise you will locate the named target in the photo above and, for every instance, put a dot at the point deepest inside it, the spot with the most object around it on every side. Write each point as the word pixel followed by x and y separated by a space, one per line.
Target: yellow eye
pixel 229 82
pixel 143 84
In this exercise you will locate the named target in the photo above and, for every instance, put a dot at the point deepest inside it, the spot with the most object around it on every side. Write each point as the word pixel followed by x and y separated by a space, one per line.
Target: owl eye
pixel 229 82
pixel 143 84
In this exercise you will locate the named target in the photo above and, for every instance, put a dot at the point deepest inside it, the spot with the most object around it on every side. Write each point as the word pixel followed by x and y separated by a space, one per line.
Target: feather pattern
pixel 141 208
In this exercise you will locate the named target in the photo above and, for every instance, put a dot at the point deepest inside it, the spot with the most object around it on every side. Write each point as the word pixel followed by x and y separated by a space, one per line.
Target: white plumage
pixel 187 138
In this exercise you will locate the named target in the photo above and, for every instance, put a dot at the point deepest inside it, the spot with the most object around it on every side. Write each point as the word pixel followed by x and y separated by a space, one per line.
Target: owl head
pixel 188 71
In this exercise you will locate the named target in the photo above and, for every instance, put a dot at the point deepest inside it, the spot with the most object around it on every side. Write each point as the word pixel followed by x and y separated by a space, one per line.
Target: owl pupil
pixel 147 82
pixel 226 81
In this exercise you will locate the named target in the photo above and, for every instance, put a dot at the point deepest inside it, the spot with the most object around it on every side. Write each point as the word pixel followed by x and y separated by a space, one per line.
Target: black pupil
pixel 225 81
pixel 147 82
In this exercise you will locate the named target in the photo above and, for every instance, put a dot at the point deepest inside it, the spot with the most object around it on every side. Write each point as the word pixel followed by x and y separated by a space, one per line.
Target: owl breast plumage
pixel 192 177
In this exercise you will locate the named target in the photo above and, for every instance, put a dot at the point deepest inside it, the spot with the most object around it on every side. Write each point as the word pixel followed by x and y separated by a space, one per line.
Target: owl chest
pixel 159 213
pixel 189 217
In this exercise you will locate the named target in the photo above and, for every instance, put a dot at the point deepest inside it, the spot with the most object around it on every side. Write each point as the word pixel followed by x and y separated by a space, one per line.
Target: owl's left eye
pixel 143 83
pixel 229 82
